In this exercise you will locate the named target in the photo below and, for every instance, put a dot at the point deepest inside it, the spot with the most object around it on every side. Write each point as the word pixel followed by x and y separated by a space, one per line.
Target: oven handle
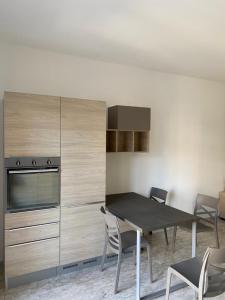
pixel 33 171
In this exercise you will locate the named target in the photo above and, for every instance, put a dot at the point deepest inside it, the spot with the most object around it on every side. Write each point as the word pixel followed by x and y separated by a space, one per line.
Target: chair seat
pixel 190 269
pixel 201 226
pixel 129 239
pixel 216 285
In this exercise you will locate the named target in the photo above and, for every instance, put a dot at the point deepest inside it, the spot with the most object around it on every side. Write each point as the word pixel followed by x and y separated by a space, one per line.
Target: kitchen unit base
pixel 60 270
pixel 31 277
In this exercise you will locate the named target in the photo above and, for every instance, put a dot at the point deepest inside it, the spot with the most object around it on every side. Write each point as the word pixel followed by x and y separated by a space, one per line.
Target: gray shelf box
pixel 129 118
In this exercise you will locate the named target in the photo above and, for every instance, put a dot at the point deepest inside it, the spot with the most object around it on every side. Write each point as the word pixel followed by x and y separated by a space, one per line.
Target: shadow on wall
pixel 1 179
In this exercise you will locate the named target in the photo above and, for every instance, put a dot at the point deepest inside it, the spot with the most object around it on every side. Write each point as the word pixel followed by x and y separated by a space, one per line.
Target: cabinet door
pixel 82 233
pixel 31 125
pixel 83 147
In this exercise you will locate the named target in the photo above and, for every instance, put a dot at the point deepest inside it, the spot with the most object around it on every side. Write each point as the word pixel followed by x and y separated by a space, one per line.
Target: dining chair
pixel 159 196
pixel 205 276
pixel 118 242
pixel 206 209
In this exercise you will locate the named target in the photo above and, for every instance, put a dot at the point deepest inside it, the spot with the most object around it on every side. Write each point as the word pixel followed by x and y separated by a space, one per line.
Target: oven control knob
pixel 18 163
pixel 34 162
pixel 49 162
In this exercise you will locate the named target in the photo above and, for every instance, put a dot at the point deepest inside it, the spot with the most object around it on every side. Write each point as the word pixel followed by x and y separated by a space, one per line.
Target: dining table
pixel 145 215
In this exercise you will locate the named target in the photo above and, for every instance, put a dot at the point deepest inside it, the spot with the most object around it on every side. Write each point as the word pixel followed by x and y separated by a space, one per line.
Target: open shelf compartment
pixel 111 141
pixel 141 141
pixel 125 141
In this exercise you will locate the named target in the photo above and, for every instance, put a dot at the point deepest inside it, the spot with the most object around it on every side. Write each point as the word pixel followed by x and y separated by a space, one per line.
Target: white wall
pixel 187 149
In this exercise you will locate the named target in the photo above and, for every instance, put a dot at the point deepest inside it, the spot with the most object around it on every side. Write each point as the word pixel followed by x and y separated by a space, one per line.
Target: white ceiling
pixel 181 36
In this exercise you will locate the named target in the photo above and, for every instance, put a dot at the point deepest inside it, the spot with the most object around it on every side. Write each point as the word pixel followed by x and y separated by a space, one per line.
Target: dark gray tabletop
pixel 144 213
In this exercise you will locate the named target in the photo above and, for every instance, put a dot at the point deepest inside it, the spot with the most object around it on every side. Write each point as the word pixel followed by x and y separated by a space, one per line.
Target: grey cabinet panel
pixel 129 118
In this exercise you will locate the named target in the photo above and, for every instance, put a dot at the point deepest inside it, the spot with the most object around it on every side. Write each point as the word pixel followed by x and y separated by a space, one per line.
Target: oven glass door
pixel 32 189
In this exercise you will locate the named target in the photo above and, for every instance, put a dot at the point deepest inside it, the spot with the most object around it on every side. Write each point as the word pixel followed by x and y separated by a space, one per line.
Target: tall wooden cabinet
pixel 46 126
pixel 31 125
pixel 83 125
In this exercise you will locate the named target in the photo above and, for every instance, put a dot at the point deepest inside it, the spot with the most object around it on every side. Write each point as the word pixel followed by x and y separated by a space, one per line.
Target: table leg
pixel 138 265
pixel 194 238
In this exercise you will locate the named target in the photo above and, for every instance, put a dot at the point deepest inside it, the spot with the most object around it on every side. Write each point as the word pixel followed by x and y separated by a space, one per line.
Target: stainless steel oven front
pixel 32 183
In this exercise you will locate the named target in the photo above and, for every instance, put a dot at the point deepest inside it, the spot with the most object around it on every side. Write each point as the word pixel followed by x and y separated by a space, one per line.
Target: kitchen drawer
pixel 32 233
pixel 31 257
pixel 30 218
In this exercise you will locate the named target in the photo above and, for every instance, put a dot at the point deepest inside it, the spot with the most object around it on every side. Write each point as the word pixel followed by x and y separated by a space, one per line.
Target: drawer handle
pixel 31 226
pixel 28 243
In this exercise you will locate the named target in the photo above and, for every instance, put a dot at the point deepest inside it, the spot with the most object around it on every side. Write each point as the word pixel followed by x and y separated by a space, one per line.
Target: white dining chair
pixel 205 276
pixel 119 242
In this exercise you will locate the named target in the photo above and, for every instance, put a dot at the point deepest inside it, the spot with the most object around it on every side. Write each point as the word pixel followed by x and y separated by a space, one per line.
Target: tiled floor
pixel 91 284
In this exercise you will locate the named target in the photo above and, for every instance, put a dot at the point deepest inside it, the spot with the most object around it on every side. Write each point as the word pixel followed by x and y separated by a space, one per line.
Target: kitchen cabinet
pixel 83 155
pixel 31 241
pixel 82 233
pixel 83 147
pixel 31 125
pixel 128 129
pixel 31 257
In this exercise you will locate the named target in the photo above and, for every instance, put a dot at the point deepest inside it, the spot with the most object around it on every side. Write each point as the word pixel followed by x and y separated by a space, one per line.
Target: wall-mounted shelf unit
pixel 127 141
pixel 129 129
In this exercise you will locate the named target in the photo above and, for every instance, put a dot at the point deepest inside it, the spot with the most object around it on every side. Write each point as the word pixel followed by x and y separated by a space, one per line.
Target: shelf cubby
pixel 141 141
pixel 125 141
pixel 111 141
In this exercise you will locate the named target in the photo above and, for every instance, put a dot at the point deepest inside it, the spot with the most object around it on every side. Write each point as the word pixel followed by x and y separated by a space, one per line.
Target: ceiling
pixel 180 36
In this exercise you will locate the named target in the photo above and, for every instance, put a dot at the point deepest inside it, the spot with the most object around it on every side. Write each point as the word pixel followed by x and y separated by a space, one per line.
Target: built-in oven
pixel 32 183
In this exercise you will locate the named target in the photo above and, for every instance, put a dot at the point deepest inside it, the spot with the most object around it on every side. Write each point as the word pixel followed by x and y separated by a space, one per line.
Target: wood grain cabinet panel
pixel 82 233
pixel 31 257
pixel 30 218
pixel 32 233
pixel 83 151
pixel 31 125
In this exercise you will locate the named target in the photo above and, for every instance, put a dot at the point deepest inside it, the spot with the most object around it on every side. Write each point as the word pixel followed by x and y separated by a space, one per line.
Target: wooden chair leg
pixel 169 276
pixel 150 262
pixel 118 272
pixel 174 238
pixel 166 236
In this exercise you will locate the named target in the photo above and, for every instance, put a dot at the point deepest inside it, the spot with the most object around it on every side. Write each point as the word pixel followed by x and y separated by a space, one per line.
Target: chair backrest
pixel 215 258
pixel 157 193
pixel 112 231
pixel 206 207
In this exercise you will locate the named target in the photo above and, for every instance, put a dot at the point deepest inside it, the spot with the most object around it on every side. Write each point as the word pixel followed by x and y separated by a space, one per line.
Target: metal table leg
pixel 194 238
pixel 181 285
pixel 138 265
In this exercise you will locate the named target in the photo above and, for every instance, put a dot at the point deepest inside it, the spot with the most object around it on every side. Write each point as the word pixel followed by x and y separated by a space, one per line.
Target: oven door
pixel 29 189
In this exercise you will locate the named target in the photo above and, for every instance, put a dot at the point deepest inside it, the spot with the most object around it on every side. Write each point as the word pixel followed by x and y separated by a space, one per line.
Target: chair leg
pixel 166 236
pixel 217 235
pixel 118 272
pixel 174 238
pixel 134 256
pixel 200 296
pixel 196 295
pixel 104 253
pixel 169 276
pixel 150 262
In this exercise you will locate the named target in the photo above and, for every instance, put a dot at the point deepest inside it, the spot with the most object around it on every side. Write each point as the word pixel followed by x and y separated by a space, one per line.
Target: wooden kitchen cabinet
pixel 31 125
pixel 83 159
pixel 82 233
pixel 31 257
pixel 31 233
pixel 83 151
pixel 31 241
pixel 32 217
